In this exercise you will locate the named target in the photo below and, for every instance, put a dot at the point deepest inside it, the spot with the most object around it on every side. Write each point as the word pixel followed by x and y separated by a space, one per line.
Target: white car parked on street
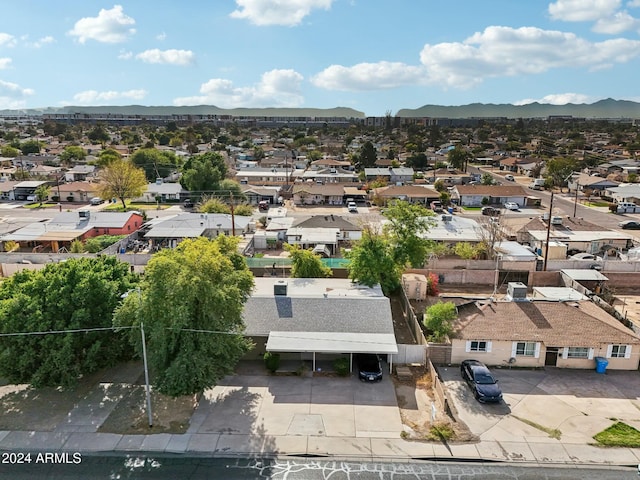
pixel 512 206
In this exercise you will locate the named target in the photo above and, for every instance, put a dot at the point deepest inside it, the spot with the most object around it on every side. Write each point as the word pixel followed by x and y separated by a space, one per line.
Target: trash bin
pixel 601 365
pixel 450 210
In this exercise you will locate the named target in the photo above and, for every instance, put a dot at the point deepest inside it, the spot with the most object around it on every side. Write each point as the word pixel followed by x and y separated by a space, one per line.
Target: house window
pixel 618 351
pixel 478 346
pixel 526 349
pixel 578 352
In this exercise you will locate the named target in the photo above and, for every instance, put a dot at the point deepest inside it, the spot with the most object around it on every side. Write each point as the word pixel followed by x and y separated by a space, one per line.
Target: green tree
pixel 72 153
pixel 105 157
pixel 368 155
pixel 438 319
pixel 418 161
pixel 243 210
pixel 191 302
pixel 458 158
pixel 203 173
pixel 408 223
pixel 155 163
pixel 559 169
pixel 98 134
pixel 8 151
pixel 30 146
pixel 465 250
pixel 371 262
pixel 42 193
pixel 77 294
pixel 122 180
pixel 306 264
pixel 486 179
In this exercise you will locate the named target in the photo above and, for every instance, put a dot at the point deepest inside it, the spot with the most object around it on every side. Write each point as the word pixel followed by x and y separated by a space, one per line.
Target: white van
pixel 628 207
pixel 537 184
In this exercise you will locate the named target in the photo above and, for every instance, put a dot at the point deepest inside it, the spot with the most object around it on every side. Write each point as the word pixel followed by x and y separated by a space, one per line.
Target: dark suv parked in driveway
pixel 483 385
pixel 369 367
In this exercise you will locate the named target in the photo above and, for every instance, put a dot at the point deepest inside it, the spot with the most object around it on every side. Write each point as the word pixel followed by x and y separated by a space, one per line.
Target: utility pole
pixel 233 218
pixel 575 202
pixel 546 247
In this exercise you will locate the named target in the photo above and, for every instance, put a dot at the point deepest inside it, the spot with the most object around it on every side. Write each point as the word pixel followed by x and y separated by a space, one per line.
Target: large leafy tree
pixel 203 173
pixel 108 155
pixel 72 153
pixel 559 169
pixel 371 262
pixel 438 319
pixel 30 146
pixel 459 157
pixel 98 134
pixel 306 264
pixel 122 180
pixel 191 303
pixel 408 223
pixel 81 293
pixel 155 163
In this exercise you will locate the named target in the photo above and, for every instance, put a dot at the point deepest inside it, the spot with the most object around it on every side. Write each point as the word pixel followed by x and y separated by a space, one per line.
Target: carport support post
pixel 314 361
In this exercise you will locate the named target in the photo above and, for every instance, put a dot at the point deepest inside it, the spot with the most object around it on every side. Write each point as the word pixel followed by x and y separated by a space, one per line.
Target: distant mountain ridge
pixel 604 109
pixel 608 108
pixel 194 110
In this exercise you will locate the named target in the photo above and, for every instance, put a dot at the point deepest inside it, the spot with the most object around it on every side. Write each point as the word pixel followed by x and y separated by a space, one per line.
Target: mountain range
pixel 604 109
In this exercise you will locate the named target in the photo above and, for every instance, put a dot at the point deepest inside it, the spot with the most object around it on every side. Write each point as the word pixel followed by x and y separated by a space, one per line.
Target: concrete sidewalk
pixel 251 415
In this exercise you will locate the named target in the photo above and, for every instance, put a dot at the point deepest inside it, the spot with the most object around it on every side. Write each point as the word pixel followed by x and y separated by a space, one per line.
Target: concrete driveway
pixel 578 403
pixel 299 414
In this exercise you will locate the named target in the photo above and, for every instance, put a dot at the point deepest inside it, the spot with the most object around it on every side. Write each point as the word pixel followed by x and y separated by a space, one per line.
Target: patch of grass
pixel 596 204
pixel 552 432
pixel 619 435
pixel 471 209
pixel 39 205
pixel 441 431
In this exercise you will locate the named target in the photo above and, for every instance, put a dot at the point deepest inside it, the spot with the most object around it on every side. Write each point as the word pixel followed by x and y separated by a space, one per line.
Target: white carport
pixel 333 342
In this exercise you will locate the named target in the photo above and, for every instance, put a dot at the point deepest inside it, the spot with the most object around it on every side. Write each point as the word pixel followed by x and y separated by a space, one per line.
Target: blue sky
pixel 371 55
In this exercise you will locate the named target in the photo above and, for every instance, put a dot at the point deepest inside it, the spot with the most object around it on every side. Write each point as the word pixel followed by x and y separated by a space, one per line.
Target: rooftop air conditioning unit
pixel 280 288
pixel 517 291
pixel 556 220
pixel 84 213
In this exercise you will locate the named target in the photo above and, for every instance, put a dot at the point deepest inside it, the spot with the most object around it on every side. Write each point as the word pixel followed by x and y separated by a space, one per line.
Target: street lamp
pixel 144 357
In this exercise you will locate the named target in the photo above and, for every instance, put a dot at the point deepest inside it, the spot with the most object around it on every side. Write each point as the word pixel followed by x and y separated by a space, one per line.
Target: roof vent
pixel 84 213
pixel 556 220
pixel 516 292
pixel 158 181
pixel 280 288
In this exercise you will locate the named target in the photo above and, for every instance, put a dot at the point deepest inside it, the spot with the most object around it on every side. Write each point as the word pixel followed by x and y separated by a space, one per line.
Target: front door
pixel 551 357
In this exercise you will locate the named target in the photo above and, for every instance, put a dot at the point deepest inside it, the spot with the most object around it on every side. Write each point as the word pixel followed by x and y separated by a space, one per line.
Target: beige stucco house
pixel 543 333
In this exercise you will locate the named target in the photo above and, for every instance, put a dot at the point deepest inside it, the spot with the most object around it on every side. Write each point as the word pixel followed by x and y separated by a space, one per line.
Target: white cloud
pixel 169 57
pixel 560 99
pixel 5 63
pixel 633 4
pixel 277 88
pixel 161 36
pixel 13 95
pixel 281 12
pixel 43 41
pixel 616 24
pixel 582 10
pixel 110 26
pixel 495 52
pixel 7 40
pixel 93 97
pixel 125 55
pixel 369 76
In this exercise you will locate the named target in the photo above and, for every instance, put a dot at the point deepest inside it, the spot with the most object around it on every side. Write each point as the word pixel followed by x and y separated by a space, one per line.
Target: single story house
pixel 410 193
pixel 452 229
pixel 304 319
pixel 265 176
pixel 473 195
pixel 325 239
pixel 317 194
pixel 169 231
pixel 257 194
pixel 577 234
pixel 347 230
pixel 64 228
pixel 73 192
pixel 80 173
pixel 395 175
pixel 586 182
pixel 27 188
pixel 161 191
pixel 629 192
pixel 7 189
pixel 329 175
pixel 543 333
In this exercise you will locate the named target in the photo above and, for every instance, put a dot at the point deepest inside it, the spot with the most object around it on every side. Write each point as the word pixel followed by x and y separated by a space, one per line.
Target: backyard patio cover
pixel 332 342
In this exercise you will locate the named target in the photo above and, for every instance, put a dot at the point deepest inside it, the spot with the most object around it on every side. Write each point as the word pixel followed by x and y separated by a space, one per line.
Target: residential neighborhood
pixel 540 281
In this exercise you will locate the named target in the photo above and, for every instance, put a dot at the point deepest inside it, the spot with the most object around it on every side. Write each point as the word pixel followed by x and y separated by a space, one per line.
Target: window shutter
pixel 514 348
pixel 488 347
pixel 537 352
pixel 565 352
pixel 609 350
pixel 627 352
pixel 590 357
pixel 468 347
